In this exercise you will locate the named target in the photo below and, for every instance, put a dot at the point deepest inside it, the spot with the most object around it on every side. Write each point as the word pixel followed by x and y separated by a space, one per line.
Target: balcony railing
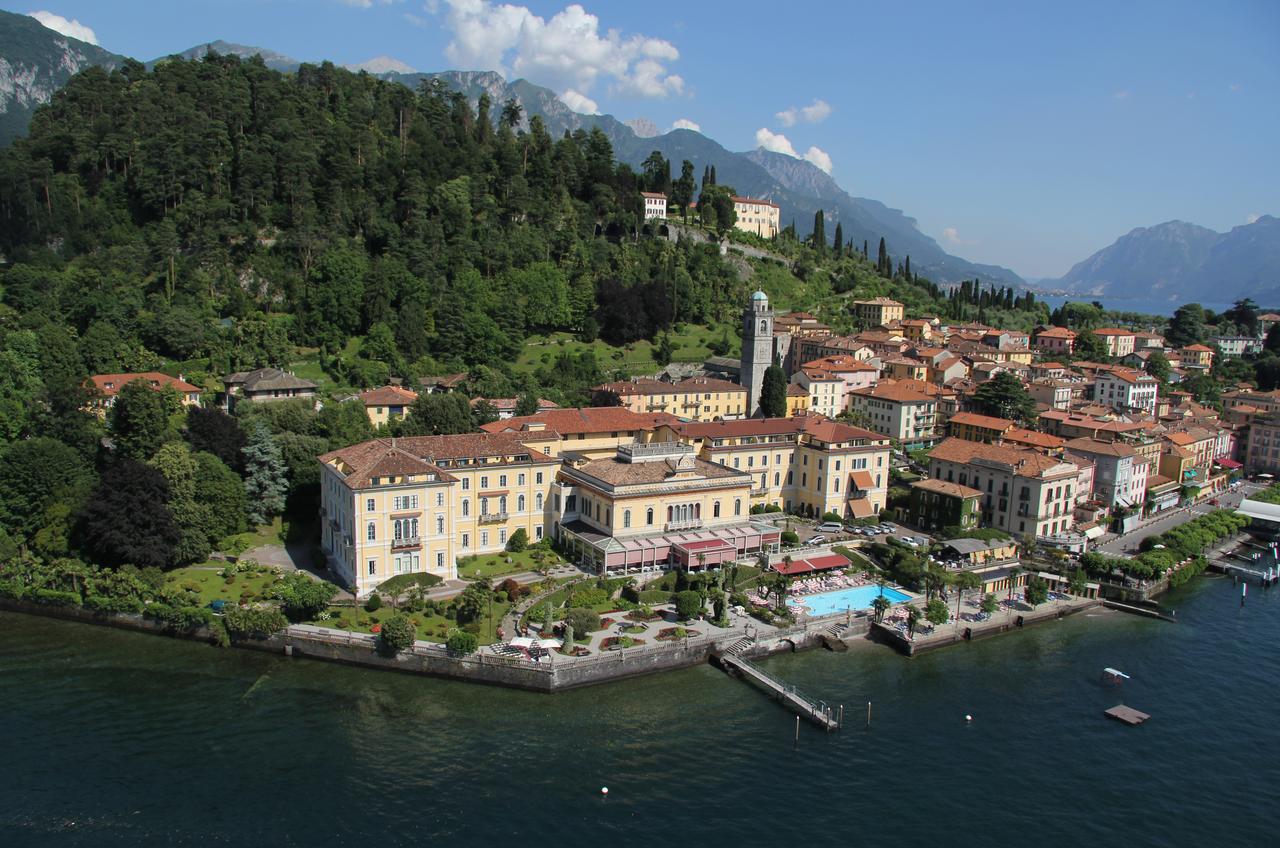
pixel 407 542
pixel 687 524
pixel 492 517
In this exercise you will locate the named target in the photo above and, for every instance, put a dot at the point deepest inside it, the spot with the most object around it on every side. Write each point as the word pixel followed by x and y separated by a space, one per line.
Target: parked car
pixel 830 527
pixel 817 540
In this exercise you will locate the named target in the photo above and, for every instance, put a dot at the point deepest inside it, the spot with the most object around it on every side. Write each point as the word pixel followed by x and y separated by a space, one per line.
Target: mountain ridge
pixel 1184 262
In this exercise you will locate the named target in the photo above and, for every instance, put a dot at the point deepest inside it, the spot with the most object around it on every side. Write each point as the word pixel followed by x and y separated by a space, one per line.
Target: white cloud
pixel 1235 86
pixel 818 157
pixel 815 112
pixel 71 28
pixel 579 102
pixel 1252 218
pixel 779 143
pixel 366 4
pixel 1122 94
pixel 952 236
pixel 686 124
pixel 566 51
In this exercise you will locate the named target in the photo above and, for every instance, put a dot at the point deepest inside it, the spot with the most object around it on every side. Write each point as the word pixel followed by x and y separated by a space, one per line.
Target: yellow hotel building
pixel 695 398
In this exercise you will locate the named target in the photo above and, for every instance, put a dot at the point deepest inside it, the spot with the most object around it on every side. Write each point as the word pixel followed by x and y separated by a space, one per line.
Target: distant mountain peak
pixel 270 58
pixel 383 65
pixel 643 127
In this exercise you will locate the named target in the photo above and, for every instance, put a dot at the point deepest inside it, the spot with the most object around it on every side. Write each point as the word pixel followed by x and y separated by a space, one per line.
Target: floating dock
pixel 1128 715
pixel 811 709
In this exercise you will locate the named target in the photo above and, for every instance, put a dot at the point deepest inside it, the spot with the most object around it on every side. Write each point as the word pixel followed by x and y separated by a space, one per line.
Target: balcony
pixel 687 524
pixel 759 490
pixel 406 542
pixel 492 517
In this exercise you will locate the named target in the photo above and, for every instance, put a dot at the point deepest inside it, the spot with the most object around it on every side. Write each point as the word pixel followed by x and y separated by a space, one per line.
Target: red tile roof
pixel 111 384
pixel 388 396
pixel 973 419
pixel 587 419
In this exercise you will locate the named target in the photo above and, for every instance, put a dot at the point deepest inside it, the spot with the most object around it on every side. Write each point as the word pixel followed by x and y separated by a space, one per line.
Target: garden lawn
pixel 267 534
pixel 692 344
pixel 212 586
pixel 496 565
pixel 431 627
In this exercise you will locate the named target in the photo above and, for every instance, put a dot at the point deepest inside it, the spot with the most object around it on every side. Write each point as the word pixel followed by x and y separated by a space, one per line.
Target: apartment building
pixel 900 413
pixel 877 311
pixel 695 398
pixel 1120 474
pixel 1126 390
pixel 1119 342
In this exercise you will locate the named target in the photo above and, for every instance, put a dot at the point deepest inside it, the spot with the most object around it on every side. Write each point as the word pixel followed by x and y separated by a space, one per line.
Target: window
pixel 626 518
pixel 484 482
pixel 520 503
pixel 836 484
pixel 502 536
pixel 776 476
pixel 502 481
pixel 537 478
pixel 368 505
pixel 537 502
pixel 520 480
pixel 373 566
pixel 502 504
pixel 439 525
pixel 466 540
pixel 648 516
pixel 537 532
pixel 484 538
pixel 439 559
pixel 737 506
pixel 466 507
pixel 439 498
pixel 370 533
pixel 466 483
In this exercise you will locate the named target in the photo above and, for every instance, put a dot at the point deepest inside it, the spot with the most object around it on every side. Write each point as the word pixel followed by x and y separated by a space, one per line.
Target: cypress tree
pixel 773 393
pixel 713 174
pixel 819 233
pixel 838 243
pixel 882 259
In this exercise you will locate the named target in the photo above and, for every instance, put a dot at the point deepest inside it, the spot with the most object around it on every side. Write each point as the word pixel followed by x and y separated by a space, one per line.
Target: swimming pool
pixel 857 598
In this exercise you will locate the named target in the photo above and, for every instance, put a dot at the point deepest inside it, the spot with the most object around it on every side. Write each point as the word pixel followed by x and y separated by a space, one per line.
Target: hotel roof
pixel 1024 462
pixel 973 419
pixel 586 419
pixel 942 487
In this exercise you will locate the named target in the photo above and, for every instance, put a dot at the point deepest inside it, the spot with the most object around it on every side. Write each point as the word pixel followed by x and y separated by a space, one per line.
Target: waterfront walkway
pixel 1009 617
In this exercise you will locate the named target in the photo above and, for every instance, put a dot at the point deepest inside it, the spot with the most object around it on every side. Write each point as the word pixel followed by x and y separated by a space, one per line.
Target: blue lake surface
pixel 856 598
pixel 122 739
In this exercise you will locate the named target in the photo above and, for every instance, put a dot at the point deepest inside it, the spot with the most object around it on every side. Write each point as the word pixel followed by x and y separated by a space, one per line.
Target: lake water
pixel 114 739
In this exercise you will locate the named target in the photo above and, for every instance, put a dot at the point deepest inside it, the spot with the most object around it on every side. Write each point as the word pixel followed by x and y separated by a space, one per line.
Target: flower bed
pixel 633 628
pixel 667 634
pixel 638 615
pixel 617 643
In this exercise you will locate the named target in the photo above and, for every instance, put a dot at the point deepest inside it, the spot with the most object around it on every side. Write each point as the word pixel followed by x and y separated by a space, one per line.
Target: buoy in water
pixel 604 790
pixel 968 717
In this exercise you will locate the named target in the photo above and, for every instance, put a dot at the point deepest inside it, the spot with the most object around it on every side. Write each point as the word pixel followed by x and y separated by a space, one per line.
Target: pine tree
pixel 264 475
pixel 773 393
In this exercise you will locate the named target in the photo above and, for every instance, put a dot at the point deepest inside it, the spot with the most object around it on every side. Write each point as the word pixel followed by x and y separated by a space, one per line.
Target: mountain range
pixel 1181 263
pixel 1176 260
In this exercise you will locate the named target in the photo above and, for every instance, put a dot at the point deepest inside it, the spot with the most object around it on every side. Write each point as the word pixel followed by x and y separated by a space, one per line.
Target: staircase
pixel 739 647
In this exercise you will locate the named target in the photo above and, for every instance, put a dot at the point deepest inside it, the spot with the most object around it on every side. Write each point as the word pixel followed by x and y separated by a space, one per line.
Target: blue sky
pixel 1025 134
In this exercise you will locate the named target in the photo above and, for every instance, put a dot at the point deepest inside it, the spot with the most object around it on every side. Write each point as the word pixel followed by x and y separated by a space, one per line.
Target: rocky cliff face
pixel 35 62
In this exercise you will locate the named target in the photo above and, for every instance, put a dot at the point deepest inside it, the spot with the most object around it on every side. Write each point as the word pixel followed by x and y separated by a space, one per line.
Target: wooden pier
pixel 813 710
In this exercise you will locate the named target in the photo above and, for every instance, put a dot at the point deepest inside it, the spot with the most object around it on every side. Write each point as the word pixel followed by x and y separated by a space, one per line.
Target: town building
pixel 1024 491
pixel 1119 473
pixel 1119 342
pixel 107 386
pixel 757 348
pixel 1197 356
pixel 654 505
pixel 655 205
pixel 1126 390
pixel 898 412
pixel 826 390
pixel 694 398
pixel 1148 341
pixel 1056 394
pixel 978 428
pixel 387 403
pixel 758 216
pixel 877 311
pixel 807 464
pixel 797 400
pixel 853 372
pixel 1233 347
pixel 506 407
pixel 1056 340
pixel 936 503
pixel 1262 451
pixel 593 431
pixel 416 504
pixel 266 384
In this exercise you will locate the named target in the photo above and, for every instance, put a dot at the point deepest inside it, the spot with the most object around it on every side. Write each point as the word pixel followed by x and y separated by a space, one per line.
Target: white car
pixel 816 540
pixel 830 527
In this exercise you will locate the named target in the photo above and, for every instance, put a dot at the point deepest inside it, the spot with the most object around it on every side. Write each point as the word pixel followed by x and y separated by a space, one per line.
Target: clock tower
pixel 757 348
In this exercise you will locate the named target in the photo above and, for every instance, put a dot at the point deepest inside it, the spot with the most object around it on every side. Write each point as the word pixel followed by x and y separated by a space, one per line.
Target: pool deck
pixel 929 637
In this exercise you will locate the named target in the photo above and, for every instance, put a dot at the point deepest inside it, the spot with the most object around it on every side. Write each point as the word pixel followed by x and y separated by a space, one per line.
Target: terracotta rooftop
pixel 1024 462
pixel 111 384
pixel 1199 348
pixel 616 472
pixel 1033 438
pixel 586 419
pixel 388 396
pixel 823 429
pixel 892 391
pixel 973 419
pixel 422 454
pixel 691 385
pixel 1057 333
pixel 1112 331
pixel 1099 447
pixel 942 487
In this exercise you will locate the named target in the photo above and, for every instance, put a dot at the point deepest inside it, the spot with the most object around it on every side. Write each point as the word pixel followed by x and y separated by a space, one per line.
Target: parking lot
pixel 812 535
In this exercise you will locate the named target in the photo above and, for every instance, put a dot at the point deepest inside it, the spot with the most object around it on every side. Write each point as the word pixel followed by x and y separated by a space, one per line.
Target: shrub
pixel 688 604
pixel 397 634
pixel 514 591
pixel 256 623
pixel 180 618
pixel 582 620
pixel 373 604
pixel 304 596
pixel 518 542
pixel 54 598
pixel 936 611
pixel 104 603
pixel 831 516
pixel 462 643
pixel 790 537
pixel 654 596
pixel 588 597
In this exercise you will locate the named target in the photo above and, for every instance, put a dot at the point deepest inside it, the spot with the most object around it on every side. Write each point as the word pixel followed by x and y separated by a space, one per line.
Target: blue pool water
pixel 857 598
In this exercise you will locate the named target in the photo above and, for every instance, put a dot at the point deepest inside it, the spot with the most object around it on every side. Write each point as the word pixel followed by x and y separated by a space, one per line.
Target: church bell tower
pixel 757 348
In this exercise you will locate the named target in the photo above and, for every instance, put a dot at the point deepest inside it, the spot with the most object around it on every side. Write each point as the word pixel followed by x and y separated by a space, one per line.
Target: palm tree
pixel 965 581
pixel 880 605
pixel 913 618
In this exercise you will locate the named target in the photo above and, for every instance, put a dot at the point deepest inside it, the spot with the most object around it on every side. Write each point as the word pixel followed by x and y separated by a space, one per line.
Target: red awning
pixel 862 508
pixel 826 562
pixel 862 480
pixel 1227 463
